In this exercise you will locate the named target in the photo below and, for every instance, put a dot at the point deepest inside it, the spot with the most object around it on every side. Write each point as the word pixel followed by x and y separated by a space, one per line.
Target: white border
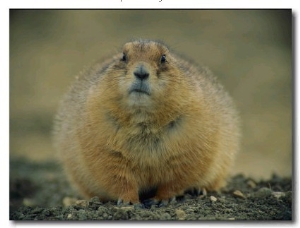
pixel 5 5
pixel 4 120
pixel 149 4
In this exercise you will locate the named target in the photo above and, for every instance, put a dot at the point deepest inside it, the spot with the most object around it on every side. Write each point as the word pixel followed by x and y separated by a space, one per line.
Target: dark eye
pixel 163 59
pixel 124 58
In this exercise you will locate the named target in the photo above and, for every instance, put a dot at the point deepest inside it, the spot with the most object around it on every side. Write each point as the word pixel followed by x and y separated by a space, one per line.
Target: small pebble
pixel 68 201
pixel 29 202
pixel 278 194
pixel 231 219
pixel 128 208
pixel 239 194
pixel 69 216
pixel 213 199
pixel 251 183
pixel 81 203
pixel 180 214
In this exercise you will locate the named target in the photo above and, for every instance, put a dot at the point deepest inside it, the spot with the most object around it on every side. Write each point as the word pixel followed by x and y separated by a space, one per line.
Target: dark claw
pixel 149 202
pixel 163 203
pixel 196 191
pixel 120 202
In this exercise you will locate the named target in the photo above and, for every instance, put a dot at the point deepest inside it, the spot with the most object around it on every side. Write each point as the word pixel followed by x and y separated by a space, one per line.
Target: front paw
pixel 160 203
pixel 196 191
pixel 135 203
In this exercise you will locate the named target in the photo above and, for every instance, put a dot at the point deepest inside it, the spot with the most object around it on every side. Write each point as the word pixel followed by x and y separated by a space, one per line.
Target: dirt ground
pixel 40 191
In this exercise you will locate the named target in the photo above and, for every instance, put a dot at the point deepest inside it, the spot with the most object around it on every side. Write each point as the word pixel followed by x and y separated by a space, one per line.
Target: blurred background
pixel 249 50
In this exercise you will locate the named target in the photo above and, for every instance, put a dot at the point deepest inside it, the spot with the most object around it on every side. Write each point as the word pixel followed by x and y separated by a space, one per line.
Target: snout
pixel 141 72
pixel 141 82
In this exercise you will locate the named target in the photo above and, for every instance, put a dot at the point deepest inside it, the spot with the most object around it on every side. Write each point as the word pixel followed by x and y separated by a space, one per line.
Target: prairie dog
pixel 146 118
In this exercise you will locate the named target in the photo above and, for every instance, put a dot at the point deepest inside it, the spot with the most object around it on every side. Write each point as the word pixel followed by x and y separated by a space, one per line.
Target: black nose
pixel 141 73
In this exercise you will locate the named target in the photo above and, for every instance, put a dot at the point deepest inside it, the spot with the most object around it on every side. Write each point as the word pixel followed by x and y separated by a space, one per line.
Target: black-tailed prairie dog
pixel 146 119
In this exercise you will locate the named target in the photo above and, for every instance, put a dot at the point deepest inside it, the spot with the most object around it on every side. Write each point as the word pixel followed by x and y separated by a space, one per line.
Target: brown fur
pixel 184 134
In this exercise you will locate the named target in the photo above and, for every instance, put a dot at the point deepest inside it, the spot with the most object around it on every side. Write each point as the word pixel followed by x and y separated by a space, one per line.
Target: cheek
pixel 124 84
pixel 160 87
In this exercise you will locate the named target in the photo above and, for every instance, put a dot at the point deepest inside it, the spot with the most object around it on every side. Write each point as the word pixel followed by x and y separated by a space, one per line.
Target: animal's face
pixel 147 74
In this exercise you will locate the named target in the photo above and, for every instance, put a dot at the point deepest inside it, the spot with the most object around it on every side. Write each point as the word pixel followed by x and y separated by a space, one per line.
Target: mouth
pixel 140 89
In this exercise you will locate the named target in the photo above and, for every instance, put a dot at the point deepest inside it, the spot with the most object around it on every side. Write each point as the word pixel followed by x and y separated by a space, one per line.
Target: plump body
pixel 146 119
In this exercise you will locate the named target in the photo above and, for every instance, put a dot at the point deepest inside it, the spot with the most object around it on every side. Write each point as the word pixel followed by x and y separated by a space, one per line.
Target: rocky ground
pixel 40 191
